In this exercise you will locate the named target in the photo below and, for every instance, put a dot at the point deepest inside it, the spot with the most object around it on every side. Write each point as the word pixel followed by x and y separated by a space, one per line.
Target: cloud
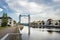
pixel 25 6
pixel 1 9
pixel 56 0
pixel 38 9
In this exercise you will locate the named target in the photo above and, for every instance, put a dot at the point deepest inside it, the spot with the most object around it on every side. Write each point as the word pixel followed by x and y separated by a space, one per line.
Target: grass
pixel 3 27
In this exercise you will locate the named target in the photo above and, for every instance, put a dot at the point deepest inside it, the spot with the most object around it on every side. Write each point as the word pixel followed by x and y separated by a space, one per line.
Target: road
pixel 7 30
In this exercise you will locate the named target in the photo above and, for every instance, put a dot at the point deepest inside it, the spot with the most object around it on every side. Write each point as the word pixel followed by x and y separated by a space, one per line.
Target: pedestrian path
pixel 6 31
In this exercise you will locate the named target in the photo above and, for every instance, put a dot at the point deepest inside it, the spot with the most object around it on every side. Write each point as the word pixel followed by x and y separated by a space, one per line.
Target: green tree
pixel 4 20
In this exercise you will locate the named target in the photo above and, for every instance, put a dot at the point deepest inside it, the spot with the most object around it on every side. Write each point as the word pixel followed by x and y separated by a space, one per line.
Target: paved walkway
pixel 7 30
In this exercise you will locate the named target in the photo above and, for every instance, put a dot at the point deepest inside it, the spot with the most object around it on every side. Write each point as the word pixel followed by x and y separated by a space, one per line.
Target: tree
pixel 14 22
pixel 49 21
pixel 4 20
pixel 56 23
pixel 59 22
pixel 43 22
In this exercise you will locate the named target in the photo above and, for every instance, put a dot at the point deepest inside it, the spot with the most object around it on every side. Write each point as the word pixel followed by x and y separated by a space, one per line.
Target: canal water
pixel 40 34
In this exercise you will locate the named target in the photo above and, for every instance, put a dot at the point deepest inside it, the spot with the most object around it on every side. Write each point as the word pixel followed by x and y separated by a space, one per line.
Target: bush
pixel 4 24
pixel 21 27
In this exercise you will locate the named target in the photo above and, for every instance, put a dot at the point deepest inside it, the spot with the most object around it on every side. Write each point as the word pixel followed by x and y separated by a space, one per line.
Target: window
pixel 10 22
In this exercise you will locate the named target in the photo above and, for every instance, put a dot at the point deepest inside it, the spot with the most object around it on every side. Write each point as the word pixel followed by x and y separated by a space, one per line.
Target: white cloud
pixel 30 6
pixel 56 0
pixel 1 9
pixel 37 11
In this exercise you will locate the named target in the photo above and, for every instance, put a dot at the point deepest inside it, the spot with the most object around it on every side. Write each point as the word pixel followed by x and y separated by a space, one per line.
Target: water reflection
pixel 58 31
pixel 20 37
pixel 50 31
pixel 40 34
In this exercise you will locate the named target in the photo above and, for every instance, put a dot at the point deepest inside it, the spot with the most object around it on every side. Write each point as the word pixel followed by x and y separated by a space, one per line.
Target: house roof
pixel 8 18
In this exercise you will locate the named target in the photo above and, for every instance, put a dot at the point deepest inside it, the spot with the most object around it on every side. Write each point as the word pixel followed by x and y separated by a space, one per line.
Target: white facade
pixel 10 22
pixel 53 23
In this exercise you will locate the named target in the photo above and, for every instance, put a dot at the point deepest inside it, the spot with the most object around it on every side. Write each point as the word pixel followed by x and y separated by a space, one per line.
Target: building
pixel 11 22
pixel 47 23
pixel 55 22
pixel 51 22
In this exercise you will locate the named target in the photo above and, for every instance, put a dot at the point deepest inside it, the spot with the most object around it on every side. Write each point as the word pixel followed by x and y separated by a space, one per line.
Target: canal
pixel 40 34
pixel 35 34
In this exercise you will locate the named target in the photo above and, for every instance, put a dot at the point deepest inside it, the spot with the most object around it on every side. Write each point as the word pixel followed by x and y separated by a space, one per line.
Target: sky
pixel 37 9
